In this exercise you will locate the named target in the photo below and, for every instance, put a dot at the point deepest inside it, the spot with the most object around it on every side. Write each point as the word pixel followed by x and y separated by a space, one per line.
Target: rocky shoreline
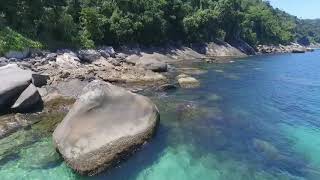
pixel 292 48
pixel 78 84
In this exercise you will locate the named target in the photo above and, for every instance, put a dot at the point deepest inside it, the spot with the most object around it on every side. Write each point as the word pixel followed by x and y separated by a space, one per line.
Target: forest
pixel 88 23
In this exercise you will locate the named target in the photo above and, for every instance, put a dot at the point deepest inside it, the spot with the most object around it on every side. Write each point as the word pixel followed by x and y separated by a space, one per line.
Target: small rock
pixel 51 57
pixel 114 62
pixel 104 54
pixel 3 61
pixel 154 65
pixel 64 74
pixel 89 55
pixel 167 87
pixel 40 80
pixel 68 60
pixel 107 51
pixel 121 56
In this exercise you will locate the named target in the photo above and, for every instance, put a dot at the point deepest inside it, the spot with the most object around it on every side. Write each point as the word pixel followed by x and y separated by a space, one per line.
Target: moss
pixel 47 123
pixel 59 102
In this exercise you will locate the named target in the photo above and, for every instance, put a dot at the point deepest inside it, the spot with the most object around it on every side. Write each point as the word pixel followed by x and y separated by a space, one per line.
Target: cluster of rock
pixel 18 91
pixel 102 64
pixel 293 48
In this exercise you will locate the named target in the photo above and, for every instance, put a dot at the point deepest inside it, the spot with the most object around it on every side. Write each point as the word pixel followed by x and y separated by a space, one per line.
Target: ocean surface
pixel 255 119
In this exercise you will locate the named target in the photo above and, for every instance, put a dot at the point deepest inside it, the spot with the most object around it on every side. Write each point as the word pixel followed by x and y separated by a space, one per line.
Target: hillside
pixel 89 23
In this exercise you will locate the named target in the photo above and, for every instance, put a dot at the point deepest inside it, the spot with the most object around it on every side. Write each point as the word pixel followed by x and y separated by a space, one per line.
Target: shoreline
pixel 133 68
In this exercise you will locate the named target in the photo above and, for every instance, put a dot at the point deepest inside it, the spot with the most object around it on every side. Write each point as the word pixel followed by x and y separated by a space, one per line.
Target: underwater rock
pixel 266 148
pixel 166 87
pixel 186 81
pixel 105 125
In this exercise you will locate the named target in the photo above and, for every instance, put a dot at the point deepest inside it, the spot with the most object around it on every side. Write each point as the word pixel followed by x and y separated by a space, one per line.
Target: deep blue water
pixel 256 118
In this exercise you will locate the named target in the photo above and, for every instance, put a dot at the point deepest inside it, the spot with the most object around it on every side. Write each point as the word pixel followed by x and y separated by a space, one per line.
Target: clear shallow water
pixel 257 118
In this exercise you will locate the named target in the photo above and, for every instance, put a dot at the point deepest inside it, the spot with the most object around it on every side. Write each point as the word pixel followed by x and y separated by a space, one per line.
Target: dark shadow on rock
pixel 32 109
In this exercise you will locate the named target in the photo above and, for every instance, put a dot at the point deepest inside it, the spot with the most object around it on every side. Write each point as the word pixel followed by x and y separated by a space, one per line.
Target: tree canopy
pixel 88 23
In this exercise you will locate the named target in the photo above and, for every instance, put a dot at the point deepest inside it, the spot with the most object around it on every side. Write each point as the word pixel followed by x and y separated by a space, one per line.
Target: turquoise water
pixel 257 118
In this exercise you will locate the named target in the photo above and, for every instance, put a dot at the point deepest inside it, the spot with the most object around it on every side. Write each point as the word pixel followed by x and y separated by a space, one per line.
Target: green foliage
pixel 308 29
pixel 202 25
pixel 263 25
pixel 11 40
pixel 88 23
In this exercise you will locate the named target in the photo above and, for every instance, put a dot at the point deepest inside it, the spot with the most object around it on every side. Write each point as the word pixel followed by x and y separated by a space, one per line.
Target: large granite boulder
pixel 105 125
pixel 13 82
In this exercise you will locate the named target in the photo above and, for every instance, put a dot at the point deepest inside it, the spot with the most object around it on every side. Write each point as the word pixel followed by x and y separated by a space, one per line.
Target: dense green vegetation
pixel 88 23
pixel 11 40
pixel 308 31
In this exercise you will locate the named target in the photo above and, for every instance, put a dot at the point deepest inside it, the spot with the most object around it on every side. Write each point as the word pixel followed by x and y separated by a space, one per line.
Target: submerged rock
pixel 186 81
pixel 266 148
pixel 105 125
pixel 166 87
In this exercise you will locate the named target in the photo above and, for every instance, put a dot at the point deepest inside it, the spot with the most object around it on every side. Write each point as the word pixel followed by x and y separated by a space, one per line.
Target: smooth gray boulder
pixel 28 100
pixel 13 82
pixel 88 55
pixel 105 125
